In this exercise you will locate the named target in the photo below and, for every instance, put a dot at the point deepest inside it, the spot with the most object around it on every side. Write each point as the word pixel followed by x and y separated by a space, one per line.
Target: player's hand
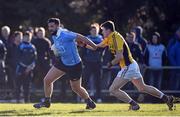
pixel 81 44
pixel 109 65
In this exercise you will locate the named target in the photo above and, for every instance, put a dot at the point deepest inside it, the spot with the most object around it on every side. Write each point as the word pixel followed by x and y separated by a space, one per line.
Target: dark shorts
pixel 72 72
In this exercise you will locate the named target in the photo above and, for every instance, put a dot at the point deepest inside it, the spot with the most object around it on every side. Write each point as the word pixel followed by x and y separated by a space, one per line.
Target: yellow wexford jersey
pixel 116 42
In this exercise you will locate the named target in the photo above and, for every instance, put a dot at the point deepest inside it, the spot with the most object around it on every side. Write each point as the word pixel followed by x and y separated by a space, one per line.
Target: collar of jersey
pixel 59 32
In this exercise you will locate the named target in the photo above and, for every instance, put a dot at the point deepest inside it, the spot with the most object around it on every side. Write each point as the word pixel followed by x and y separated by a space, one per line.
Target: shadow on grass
pixel 25 113
pixel 8 111
pixel 91 111
pixel 80 111
pixel 35 114
pixel 112 111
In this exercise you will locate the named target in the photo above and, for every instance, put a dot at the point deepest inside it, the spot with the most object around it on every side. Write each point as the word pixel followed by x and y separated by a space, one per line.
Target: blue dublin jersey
pixel 65 47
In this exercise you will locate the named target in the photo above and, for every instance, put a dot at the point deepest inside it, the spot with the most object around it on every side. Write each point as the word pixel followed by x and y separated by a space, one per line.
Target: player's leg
pixel 142 87
pixel 115 90
pixel 49 79
pixel 79 90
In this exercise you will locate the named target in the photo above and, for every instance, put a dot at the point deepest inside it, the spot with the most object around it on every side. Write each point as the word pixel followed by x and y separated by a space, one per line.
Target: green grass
pixel 61 109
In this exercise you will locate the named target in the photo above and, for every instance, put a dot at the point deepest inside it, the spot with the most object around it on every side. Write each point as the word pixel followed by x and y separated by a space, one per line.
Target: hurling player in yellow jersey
pixel 129 68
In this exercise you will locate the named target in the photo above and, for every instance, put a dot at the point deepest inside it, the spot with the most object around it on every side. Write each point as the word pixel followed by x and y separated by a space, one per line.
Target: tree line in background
pixel 152 15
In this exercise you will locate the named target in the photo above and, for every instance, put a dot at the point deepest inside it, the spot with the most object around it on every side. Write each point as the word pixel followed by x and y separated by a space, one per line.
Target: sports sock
pixel 47 99
pixel 88 100
pixel 133 103
pixel 165 98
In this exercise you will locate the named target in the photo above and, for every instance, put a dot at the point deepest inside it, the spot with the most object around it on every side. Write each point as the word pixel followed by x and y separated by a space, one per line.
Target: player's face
pixel 52 27
pixel 105 32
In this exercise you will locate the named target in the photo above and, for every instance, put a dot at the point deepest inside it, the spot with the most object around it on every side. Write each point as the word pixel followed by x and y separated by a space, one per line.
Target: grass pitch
pixel 61 109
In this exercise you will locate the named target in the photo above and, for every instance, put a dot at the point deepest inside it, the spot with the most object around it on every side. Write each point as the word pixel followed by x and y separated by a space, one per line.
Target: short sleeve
pixel 71 35
pixel 105 41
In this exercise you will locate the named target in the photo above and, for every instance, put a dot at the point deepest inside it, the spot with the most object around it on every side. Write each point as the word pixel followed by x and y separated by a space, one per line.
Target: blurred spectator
pixel 5 37
pixel 3 51
pixel 33 32
pixel 43 47
pixel 5 34
pixel 174 55
pixel 174 58
pixel 155 57
pixel 139 38
pixel 25 66
pixel 13 58
pixel 92 62
pixel 3 75
pixel 172 41
pixel 135 48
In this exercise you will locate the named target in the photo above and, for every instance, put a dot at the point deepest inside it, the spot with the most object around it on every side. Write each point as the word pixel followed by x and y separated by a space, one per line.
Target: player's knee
pixel 141 89
pixel 47 81
pixel 111 90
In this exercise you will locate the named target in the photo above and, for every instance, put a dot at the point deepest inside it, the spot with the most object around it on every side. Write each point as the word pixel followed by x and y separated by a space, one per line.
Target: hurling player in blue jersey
pixel 67 62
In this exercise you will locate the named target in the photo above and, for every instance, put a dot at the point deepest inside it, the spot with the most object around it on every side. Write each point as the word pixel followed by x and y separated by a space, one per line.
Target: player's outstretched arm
pixel 87 42
pixel 100 45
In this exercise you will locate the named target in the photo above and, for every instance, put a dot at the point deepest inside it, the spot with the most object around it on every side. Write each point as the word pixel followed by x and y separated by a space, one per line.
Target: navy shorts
pixel 72 72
